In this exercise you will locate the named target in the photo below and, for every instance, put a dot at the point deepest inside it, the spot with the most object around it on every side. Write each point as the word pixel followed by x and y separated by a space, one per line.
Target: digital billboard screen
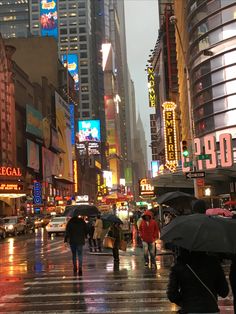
pixel 70 60
pixel 89 131
pixel 48 18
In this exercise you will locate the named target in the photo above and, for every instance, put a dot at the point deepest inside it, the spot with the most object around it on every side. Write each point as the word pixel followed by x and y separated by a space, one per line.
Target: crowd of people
pixel 196 278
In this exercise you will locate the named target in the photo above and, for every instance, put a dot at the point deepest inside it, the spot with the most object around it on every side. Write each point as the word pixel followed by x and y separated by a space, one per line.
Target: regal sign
pixel 171 156
pixel 10 171
pixel 222 157
pixel 151 90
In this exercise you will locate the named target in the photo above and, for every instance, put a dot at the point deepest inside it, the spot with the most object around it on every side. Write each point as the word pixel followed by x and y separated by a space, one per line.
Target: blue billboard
pixel 70 60
pixel 48 18
pixel 89 130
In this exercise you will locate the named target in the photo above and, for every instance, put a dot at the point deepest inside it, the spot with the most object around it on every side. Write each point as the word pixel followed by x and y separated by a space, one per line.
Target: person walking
pixel 115 232
pixel 195 281
pixel 75 235
pixel 149 233
pixel 98 227
pixel 91 241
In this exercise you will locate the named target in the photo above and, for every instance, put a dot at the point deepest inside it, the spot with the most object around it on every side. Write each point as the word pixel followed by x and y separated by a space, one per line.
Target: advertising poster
pixel 70 60
pixel 155 164
pixel 48 18
pixel 51 164
pixel 89 131
pixel 72 123
pixel 32 155
pixel 34 121
pixel 64 134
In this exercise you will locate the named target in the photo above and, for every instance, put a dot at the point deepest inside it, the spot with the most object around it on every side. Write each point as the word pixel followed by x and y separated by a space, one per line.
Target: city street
pixel 36 277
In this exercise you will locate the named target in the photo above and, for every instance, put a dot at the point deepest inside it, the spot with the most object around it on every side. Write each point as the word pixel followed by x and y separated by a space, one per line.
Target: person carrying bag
pixel 195 281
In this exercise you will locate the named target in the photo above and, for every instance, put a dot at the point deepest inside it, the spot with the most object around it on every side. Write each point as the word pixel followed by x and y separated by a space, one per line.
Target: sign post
pixel 195 174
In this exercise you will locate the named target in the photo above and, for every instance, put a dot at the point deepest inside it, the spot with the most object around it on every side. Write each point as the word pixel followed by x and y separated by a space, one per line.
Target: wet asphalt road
pixel 36 277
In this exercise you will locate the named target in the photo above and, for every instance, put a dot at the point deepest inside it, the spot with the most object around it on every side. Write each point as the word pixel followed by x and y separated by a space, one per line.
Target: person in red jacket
pixel 149 232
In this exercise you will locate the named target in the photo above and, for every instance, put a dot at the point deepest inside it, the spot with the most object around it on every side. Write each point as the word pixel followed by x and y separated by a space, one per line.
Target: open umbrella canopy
pixel 171 198
pixel 230 203
pixel 199 232
pixel 219 212
pixel 81 210
pixel 111 218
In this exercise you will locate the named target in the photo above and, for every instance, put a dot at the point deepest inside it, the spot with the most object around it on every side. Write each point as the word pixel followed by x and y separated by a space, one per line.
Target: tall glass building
pixel 14 18
pixel 212 62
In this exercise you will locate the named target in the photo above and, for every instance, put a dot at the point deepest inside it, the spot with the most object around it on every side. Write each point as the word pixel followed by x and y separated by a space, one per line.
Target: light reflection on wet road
pixel 36 277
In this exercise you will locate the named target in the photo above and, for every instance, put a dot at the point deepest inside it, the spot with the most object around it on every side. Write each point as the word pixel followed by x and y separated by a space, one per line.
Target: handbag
pixel 123 245
pixel 189 267
pixel 108 242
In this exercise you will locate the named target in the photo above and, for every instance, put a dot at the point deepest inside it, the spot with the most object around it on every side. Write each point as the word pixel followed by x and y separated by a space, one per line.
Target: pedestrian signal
pixel 185 150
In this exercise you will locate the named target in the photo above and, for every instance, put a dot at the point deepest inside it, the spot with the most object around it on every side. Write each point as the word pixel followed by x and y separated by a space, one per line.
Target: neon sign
pixel 11 187
pixel 75 175
pixel 151 90
pixel 10 172
pixel 145 188
pixel 171 155
pixel 223 157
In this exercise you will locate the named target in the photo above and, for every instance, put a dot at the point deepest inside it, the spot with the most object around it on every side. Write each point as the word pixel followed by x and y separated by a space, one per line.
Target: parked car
pixel 14 225
pixel 57 225
pixel 3 233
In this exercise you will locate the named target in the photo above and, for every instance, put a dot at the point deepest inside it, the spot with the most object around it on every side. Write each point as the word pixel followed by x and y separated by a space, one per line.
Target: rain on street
pixel 36 277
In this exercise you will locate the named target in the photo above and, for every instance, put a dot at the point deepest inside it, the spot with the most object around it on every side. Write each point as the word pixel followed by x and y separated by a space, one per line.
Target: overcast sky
pixel 142 24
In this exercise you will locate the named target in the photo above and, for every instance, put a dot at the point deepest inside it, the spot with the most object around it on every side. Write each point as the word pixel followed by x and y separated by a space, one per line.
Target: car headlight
pixel 10 227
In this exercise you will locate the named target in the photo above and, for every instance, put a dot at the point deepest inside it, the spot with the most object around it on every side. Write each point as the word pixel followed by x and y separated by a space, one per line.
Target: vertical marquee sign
pixel 151 84
pixel 171 155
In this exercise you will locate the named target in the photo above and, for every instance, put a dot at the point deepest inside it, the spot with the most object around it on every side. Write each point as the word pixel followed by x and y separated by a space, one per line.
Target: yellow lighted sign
pixel 75 175
pixel 171 156
pixel 151 90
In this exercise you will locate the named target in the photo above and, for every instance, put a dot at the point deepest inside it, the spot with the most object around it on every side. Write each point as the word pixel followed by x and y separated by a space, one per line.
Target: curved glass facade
pixel 212 59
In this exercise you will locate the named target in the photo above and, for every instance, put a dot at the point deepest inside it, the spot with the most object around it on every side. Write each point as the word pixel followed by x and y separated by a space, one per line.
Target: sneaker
pixel 80 273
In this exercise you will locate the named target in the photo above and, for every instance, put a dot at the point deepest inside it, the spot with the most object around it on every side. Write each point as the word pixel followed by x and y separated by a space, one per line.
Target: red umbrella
pixel 230 203
pixel 219 212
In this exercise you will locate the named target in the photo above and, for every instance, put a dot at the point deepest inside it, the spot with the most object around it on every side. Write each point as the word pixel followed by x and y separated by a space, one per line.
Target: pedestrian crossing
pixel 40 280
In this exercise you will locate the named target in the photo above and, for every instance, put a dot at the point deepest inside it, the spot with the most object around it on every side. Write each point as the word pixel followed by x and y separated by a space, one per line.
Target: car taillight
pixel 50 225
pixel 62 225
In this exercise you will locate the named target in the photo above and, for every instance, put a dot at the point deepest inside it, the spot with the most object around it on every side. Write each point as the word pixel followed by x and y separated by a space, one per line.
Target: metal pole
pixel 173 20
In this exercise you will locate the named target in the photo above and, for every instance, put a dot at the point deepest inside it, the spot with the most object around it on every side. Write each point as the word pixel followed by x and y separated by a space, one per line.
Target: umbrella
pixel 112 218
pixel 171 198
pixel 199 232
pixel 219 211
pixel 81 210
pixel 230 203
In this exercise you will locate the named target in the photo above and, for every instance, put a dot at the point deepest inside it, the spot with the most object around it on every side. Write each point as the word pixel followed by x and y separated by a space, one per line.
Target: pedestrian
pixel 232 280
pixel 199 207
pixel 75 235
pixel 91 241
pixel 149 233
pixel 195 281
pixel 98 228
pixel 115 232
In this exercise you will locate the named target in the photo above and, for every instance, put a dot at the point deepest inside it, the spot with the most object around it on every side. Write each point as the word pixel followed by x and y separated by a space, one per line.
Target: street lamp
pixel 173 20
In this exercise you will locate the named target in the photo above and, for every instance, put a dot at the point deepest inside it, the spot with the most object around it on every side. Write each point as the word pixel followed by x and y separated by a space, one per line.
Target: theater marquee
pixel 151 90
pixel 171 156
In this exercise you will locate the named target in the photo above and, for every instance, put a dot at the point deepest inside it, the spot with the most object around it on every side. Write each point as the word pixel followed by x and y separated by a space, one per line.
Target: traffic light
pixel 185 150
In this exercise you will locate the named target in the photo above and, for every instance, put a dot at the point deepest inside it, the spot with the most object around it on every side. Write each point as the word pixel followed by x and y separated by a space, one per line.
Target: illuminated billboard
pixel 89 131
pixel 171 153
pixel 151 85
pixel 48 18
pixel 70 60
pixel 155 164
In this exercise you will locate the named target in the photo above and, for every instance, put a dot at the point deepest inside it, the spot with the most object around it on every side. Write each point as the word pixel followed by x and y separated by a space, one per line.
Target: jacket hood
pixel 147 213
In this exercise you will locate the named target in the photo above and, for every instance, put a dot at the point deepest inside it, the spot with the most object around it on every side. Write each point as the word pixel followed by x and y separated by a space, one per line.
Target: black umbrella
pixel 81 210
pixel 112 218
pixel 199 232
pixel 171 198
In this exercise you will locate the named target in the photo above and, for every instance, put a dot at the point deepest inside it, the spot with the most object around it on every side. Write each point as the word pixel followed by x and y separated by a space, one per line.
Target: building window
pixel 73 30
pixel 84 80
pixel 85 96
pixel 82 30
pixel 82 38
pixel 84 88
pixel 85 114
pixel 63 31
pixel 83 55
pixel 85 105
pixel 83 47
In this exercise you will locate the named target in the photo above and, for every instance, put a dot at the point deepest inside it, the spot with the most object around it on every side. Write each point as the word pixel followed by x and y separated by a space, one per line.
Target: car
pixel 14 225
pixel 57 225
pixel 3 233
